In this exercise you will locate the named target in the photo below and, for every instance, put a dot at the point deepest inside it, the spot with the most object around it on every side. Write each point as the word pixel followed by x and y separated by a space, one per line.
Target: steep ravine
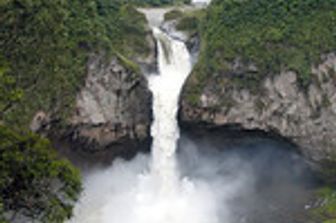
pixel 113 108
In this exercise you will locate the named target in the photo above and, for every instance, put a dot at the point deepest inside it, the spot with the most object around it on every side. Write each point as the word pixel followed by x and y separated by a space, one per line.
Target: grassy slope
pixel 47 44
pixel 273 35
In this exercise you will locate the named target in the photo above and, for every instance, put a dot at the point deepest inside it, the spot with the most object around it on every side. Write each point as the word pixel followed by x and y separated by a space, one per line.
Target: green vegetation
pixel 44 49
pixel 9 94
pixel 173 14
pixel 326 213
pixel 46 45
pixel 326 195
pixel 34 182
pixel 272 35
pixel 188 21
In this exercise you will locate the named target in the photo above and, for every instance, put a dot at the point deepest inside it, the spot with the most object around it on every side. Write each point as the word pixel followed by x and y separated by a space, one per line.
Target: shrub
pixel 33 182
pixel 47 44
pixel 272 35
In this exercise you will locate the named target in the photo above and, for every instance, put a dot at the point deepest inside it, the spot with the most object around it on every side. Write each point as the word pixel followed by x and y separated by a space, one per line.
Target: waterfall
pixel 174 65
pixel 150 189
pixel 201 2
pixel 164 195
pixel 208 187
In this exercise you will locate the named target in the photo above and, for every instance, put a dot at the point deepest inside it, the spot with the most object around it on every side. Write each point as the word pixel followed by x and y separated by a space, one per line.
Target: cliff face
pixel 113 106
pixel 112 113
pixel 307 117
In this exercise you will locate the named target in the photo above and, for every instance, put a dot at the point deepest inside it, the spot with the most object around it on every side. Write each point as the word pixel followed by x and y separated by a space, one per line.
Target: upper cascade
pixel 201 2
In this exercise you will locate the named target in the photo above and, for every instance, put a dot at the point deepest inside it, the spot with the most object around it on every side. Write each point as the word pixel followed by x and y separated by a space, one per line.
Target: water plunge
pixel 138 193
pixel 194 188
pixel 174 65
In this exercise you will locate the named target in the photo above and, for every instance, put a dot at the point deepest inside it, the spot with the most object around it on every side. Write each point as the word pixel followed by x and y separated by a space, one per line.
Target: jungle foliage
pixel 9 94
pixel 46 45
pixel 35 184
pixel 274 36
pixel 187 21
pixel 173 15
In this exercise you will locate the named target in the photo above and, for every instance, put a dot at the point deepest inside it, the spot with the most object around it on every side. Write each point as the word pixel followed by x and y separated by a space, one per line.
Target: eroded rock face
pixel 307 118
pixel 113 107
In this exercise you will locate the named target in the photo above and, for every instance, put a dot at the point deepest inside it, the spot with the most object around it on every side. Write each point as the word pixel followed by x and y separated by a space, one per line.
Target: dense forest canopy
pixel 46 42
pixel 272 35
pixel 34 183
pixel 44 48
pixel 9 94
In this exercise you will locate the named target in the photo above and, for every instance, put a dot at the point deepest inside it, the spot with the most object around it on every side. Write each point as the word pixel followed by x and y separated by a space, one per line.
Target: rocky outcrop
pixel 148 63
pixel 111 114
pixel 192 40
pixel 308 118
pixel 114 106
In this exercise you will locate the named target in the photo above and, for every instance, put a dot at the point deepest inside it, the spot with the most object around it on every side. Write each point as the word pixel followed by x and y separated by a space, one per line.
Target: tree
pixel 34 183
pixel 8 91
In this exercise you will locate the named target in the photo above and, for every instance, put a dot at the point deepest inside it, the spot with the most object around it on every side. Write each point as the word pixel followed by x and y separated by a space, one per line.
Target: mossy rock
pixel 173 15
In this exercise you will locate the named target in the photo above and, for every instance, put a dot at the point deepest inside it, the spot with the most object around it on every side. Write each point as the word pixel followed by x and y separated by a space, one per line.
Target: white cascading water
pixel 174 64
pixel 206 2
pixel 170 200
pixel 133 192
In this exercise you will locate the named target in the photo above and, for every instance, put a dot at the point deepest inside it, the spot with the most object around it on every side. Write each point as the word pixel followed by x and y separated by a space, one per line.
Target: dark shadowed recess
pixel 278 182
pixel 87 155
